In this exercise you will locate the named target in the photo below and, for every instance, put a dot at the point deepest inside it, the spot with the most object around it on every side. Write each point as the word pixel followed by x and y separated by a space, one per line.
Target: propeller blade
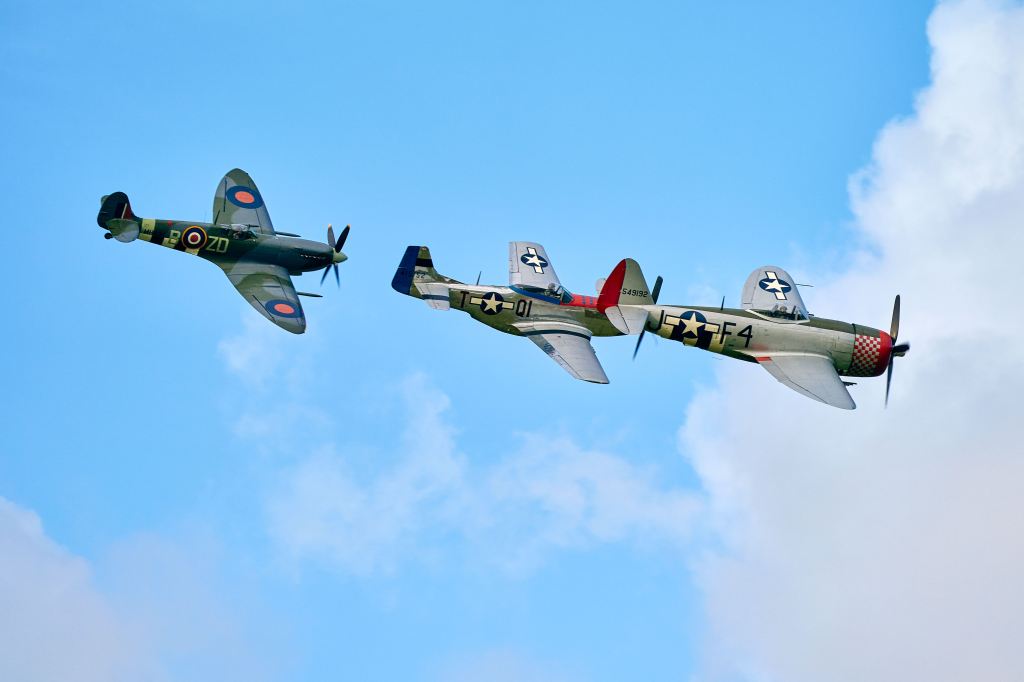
pixel 337 277
pixel 894 329
pixel 638 340
pixel 324 276
pixel 330 236
pixel 344 236
pixel 900 350
pixel 655 292
pixel 888 382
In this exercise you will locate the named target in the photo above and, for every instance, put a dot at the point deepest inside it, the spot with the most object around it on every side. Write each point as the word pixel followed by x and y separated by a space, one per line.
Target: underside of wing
pixel 528 265
pixel 238 202
pixel 771 290
pixel 812 375
pixel 268 289
pixel 569 346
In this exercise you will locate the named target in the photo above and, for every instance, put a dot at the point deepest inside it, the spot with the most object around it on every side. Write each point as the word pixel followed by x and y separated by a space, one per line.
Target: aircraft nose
pixel 339 257
pixel 884 352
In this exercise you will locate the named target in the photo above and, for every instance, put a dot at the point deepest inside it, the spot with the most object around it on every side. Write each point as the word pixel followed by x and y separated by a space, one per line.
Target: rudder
pixel 117 216
pixel 416 264
pixel 626 285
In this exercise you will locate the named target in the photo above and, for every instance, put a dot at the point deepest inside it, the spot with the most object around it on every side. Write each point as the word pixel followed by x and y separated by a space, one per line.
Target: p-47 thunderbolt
pixel 534 305
pixel 242 241
pixel 773 328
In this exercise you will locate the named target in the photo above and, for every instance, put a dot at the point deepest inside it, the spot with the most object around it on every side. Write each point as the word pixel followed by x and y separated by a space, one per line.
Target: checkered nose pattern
pixel 870 355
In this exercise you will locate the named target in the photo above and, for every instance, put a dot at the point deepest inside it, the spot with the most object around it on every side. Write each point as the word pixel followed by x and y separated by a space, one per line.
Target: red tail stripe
pixel 613 285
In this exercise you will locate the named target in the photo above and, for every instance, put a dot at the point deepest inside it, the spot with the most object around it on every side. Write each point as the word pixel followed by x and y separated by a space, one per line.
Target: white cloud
pixel 261 352
pixel 254 354
pixel 55 625
pixel 198 624
pixel 154 609
pixel 550 494
pixel 889 545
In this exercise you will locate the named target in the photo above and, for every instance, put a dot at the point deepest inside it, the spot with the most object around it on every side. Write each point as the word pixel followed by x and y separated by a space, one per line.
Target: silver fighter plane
pixel 534 304
pixel 773 328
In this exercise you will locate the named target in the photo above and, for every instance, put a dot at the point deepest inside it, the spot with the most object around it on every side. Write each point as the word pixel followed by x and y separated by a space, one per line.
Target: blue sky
pixel 170 438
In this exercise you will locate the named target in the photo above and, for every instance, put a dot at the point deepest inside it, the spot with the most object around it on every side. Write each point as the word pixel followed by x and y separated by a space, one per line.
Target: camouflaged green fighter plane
pixel 773 328
pixel 241 240
pixel 534 305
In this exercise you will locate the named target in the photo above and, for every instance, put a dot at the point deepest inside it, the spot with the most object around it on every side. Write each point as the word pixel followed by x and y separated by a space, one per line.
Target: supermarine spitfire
pixel 773 328
pixel 534 305
pixel 242 241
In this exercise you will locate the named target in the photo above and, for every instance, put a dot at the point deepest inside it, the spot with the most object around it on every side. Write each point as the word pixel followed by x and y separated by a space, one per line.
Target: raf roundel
pixel 246 197
pixel 194 237
pixel 281 308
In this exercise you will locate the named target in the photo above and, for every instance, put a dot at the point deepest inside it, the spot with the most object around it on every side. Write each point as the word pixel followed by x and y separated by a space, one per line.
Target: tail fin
pixel 115 207
pixel 116 215
pixel 417 277
pixel 625 286
pixel 624 289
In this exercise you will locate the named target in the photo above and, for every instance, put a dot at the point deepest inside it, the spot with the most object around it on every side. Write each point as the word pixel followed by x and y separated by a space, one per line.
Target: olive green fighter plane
pixel 241 240
pixel 773 328
pixel 534 305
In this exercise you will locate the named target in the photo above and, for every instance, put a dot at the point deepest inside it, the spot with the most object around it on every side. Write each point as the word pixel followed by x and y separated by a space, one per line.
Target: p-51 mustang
pixel 241 240
pixel 773 328
pixel 534 305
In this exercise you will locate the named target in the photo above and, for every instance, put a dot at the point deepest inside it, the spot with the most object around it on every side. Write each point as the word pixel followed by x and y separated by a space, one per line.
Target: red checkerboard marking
pixel 866 351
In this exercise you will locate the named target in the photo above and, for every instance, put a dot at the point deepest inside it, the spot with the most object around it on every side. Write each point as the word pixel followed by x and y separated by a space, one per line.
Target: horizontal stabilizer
pixel 628 319
pixel 434 294
pixel 123 230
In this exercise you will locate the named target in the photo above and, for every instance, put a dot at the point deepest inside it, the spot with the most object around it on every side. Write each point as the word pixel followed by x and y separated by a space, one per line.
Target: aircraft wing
pixel 528 264
pixel 772 288
pixel 812 375
pixel 569 346
pixel 268 289
pixel 239 202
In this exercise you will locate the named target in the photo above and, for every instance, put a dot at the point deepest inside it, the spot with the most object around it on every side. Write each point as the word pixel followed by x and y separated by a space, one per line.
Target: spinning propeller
pixel 898 350
pixel 337 256
pixel 654 295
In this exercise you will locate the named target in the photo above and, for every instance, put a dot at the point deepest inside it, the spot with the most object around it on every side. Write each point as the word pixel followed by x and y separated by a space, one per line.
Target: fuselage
pixel 229 244
pixel 503 307
pixel 855 350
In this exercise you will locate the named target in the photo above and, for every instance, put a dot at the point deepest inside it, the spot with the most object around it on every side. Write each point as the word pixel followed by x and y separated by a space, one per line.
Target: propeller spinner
pixel 338 256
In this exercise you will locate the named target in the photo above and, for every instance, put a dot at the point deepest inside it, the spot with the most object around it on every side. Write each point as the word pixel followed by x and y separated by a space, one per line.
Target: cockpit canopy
pixel 241 231
pixel 784 312
pixel 555 291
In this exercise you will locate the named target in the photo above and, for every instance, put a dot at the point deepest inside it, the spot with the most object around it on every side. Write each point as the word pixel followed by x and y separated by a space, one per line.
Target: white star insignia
pixel 491 303
pixel 693 325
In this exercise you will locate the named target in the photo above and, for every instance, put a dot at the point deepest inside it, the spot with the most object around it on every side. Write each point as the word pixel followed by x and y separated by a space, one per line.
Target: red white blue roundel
pixel 280 308
pixel 246 197
pixel 194 237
